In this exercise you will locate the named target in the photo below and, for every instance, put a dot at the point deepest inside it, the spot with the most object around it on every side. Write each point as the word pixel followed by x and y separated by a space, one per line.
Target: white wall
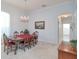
pixel 15 13
pixel 49 15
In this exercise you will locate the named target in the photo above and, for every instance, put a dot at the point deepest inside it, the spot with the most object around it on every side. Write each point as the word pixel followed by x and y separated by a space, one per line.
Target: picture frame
pixel 40 25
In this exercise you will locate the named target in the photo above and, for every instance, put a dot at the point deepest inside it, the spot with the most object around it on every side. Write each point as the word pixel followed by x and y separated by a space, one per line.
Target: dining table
pixel 21 37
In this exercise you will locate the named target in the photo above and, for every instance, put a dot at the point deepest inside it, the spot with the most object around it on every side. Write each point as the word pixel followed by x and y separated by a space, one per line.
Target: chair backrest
pixel 21 32
pixel 5 38
pixel 35 34
pixel 15 34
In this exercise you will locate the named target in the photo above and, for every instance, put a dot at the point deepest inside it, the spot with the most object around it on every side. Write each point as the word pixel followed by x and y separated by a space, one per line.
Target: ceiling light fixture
pixel 24 18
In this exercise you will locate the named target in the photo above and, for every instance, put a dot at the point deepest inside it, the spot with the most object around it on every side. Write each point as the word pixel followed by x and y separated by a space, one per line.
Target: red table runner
pixel 24 36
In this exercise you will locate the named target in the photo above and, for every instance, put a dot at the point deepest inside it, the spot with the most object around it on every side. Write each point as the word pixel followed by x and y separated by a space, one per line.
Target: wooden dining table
pixel 21 37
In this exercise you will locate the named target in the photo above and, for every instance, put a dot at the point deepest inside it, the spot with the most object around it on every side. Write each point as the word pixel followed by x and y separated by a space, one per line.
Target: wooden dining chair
pixel 26 43
pixel 15 34
pixel 8 44
pixel 35 37
pixel 31 42
pixel 22 44
pixel 21 32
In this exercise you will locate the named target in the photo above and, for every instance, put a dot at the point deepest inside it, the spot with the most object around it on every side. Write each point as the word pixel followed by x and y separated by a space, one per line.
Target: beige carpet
pixel 41 51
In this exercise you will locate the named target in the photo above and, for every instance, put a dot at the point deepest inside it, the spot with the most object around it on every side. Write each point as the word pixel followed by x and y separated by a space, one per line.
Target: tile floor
pixel 41 51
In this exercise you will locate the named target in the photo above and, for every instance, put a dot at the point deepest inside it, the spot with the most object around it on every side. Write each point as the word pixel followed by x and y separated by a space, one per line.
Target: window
pixel 5 23
pixel 66 32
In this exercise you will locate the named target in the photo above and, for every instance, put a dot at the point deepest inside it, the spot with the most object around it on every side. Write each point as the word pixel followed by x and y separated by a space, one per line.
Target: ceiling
pixel 34 4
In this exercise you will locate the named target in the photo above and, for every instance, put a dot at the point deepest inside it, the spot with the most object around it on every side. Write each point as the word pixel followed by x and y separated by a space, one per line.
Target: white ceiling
pixel 34 4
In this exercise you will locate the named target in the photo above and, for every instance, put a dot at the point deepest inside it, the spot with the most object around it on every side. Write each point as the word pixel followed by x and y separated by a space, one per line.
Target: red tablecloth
pixel 24 36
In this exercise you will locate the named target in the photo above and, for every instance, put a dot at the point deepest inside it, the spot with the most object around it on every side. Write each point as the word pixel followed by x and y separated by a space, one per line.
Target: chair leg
pixel 11 48
pixel 28 46
pixel 4 48
pixel 33 42
pixel 15 50
pixel 36 41
pixel 7 50
pixel 24 48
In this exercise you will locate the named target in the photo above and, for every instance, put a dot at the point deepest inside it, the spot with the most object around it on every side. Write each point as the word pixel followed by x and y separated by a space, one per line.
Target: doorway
pixel 64 27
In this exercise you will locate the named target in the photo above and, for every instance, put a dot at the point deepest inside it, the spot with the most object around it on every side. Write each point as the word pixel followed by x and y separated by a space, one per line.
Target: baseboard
pixel 46 42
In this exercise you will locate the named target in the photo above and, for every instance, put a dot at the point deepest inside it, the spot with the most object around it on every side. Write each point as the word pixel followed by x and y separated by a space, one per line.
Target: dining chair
pixel 8 44
pixel 31 42
pixel 15 34
pixel 21 32
pixel 27 43
pixel 22 44
pixel 35 37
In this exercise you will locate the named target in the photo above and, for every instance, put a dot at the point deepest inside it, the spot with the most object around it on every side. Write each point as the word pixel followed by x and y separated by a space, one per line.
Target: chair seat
pixel 22 42
pixel 8 44
pixel 11 43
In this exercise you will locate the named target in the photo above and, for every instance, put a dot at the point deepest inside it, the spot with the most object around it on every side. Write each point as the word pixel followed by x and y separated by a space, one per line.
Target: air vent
pixel 43 5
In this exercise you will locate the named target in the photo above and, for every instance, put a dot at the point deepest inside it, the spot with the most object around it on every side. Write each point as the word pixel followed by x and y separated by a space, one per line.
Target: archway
pixel 64 27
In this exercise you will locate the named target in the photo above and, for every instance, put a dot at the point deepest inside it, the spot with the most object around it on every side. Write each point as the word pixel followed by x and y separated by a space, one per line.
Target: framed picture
pixel 40 25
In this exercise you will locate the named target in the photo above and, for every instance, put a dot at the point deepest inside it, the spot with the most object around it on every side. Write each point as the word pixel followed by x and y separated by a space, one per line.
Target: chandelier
pixel 24 18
